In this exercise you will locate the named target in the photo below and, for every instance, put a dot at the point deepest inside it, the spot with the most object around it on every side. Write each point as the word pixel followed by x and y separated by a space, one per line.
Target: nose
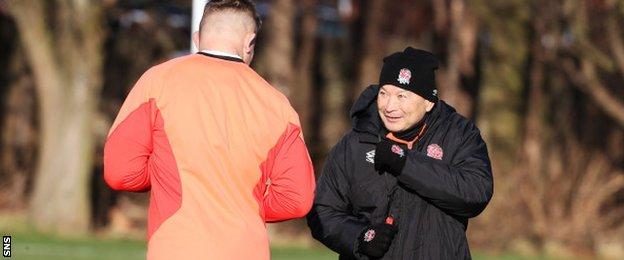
pixel 391 104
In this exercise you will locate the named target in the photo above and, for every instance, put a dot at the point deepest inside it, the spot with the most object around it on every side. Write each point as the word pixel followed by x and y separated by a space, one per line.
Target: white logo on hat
pixel 404 76
pixel 435 92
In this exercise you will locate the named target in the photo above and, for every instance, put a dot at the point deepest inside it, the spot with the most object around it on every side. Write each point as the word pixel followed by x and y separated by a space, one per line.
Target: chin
pixel 393 128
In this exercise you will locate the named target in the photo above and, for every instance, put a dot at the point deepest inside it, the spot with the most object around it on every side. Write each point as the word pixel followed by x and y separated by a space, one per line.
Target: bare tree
pixel 279 51
pixel 302 90
pixel 63 42
pixel 559 167
pixel 504 43
pixel 586 78
pixel 372 49
pixel 532 153
pixel 18 143
pixel 461 48
pixel 288 67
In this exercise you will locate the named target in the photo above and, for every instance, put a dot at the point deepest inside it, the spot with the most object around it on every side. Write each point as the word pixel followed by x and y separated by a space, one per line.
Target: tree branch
pixel 615 42
pixel 29 17
pixel 586 80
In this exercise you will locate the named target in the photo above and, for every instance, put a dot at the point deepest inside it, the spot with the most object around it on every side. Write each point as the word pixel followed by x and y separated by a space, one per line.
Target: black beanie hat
pixel 413 70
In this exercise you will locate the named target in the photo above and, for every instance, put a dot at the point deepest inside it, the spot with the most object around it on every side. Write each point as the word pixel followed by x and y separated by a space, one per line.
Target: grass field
pixel 27 244
pixel 37 246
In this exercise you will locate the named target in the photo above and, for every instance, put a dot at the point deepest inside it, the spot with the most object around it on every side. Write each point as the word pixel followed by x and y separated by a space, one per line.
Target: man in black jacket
pixel 404 181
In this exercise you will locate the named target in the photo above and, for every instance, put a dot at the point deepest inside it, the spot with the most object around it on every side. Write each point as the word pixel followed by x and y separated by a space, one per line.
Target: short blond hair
pixel 243 6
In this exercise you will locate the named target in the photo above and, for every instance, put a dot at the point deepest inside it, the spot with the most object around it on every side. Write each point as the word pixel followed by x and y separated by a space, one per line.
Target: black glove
pixel 376 240
pixel 390 157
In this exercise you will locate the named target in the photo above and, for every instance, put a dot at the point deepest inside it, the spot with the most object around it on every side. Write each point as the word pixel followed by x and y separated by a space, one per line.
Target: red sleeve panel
pixel 138 157
pixel 286 189
pixel 128 150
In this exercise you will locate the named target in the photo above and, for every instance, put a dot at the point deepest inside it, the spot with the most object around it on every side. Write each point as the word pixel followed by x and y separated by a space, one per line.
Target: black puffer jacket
pixel 431 200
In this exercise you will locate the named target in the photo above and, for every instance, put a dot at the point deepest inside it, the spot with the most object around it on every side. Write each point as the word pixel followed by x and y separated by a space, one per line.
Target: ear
pixel 250 43
pixel 196 39
pixel 429 105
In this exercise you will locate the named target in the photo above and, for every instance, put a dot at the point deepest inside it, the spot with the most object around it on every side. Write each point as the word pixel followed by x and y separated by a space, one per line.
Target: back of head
pixel 229 26
pixel 245 7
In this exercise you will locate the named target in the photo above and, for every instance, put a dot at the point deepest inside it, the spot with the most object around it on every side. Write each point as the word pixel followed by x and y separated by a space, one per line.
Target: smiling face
pixel 400 109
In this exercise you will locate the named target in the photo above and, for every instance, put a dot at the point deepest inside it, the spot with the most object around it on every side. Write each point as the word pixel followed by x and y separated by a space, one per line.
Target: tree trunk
pixel 503 64
pixel 64 51
pixel 18 142
pixel 531 157
pixel 303 89
pixel 279 46
pixel 372 12
pixel 461 52
pixel 334 123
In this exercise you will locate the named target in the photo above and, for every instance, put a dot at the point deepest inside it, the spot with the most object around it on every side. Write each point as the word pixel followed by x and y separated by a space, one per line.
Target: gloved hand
pixel 390 157
pixel 376 240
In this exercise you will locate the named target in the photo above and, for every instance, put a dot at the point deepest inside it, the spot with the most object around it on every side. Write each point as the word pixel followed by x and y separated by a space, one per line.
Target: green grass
pixel 29 244
pixel 506 256
pixel 284 253
pixel 38 246
pixel 32 245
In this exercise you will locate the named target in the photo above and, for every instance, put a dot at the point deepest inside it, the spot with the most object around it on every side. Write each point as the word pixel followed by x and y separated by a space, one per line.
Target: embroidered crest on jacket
pixel 435 151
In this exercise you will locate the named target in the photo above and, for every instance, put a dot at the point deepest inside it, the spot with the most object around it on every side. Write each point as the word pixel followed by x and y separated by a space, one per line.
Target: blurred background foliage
pixel 542 79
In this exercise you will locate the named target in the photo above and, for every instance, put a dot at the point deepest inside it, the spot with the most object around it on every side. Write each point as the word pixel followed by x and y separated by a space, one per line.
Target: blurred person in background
pixel 220 150
pixel 404 181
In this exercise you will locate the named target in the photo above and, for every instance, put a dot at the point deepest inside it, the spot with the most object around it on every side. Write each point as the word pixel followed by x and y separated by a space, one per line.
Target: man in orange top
pixel 220 151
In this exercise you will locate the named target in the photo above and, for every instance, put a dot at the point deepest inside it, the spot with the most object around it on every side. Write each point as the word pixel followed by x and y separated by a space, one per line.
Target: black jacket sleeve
pixel 462 188
pixel 330 219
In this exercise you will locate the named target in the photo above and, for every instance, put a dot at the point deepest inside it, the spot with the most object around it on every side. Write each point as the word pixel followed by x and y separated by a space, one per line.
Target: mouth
pixel 393 119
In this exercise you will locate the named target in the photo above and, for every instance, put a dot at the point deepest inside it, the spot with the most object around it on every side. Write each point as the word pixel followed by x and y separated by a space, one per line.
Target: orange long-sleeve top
pixel 221 153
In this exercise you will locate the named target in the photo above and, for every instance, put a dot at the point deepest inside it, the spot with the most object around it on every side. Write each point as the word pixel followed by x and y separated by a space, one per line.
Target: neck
pixel 220 45
pixel 410 133
pixel 410 136
pixel 230 51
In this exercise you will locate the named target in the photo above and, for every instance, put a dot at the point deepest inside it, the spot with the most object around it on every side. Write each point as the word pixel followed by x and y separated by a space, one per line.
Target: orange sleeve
pixel 129 144
pixel 288 178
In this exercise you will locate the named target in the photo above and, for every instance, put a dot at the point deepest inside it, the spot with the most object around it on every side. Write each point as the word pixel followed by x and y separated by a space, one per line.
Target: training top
pixel 221 153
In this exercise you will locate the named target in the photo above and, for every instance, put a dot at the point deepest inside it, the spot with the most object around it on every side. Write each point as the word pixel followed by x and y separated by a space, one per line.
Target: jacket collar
pixel 221 55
